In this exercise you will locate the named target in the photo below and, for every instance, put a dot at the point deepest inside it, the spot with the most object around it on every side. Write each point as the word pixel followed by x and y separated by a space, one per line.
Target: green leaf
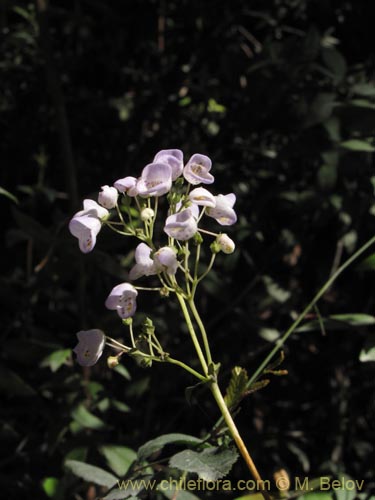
pixel 128 489
pixel 367 264
pixel 9 195
pixel 121 370
pixel 13 385
pixel 317 495
pixel 367 353
pixel 364 89
pixel 120 406
pixel 252 496
pixel 346 492
pixel 335 62
pixel 91 473
pixel 358 145
pixel 119 458
pixel 237 386
pixel 210 464
pixel 158 443
pixel 81 415
pixel 339 322
pixel 50 485
pixel 56 359
pixel 215 107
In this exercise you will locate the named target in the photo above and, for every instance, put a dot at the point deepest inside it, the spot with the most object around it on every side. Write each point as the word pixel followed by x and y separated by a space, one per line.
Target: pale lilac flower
pixel 86 229
pixel 223 211
pixel 90 207
pixel 127 185
pixel 194 209
pixel 166 260
pixel 123 300
pixel 197 169
pixel 108 197
pixel 144 264
pixel 182 225
pixel 200 196
pixel 173 158
pixel 90 346
pixel 156 180
pixel 225 243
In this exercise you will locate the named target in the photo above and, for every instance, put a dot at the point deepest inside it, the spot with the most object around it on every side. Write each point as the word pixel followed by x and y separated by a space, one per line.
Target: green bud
pixel 127 321
pixel 215 247
pixel 197 238
pixel 164 292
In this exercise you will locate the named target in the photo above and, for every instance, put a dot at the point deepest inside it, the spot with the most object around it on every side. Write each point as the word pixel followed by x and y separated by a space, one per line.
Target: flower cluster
pixel 187 203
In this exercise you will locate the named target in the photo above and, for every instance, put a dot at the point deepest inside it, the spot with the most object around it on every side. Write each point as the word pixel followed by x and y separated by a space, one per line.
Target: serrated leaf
pixel 86 419
pixel 358 145
pixel 91 473
pixel 237 386
pixel 210 464
pixel 177 494
pixel 158 443
pixel 119 458
pixel 128 489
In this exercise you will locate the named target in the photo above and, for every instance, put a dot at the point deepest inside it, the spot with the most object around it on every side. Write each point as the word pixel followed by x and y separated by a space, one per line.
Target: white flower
pixel 144 264
pixel 156 180
pixel 173 158
pixel 166 260
pixel 90 346
pixel 197 170
pixel 108 197
pixel 223 212
pixel 90 207
pixel 123 300
pixel 201 196
pixel 127 185
pixel 182 225
pixel 225 243
pixel 86 229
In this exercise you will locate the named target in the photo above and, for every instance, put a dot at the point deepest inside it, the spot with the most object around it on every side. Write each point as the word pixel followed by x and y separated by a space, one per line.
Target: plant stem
pixel 192 333
pixel 321 292
pixel 237 438
pixel 186 367
pixel 202 330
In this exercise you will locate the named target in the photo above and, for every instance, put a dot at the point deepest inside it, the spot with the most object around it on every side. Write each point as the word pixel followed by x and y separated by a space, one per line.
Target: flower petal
pixel 90 346
pixel 156 180
pixel 108 197
pixel 173 158
pixel 85 228
pixel 201 196
pixel 197 170
pixel 182 225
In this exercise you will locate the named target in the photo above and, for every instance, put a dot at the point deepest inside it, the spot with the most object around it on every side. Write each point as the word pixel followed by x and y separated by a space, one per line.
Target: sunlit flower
pixel 201 196
pixel 127 185
pixel 166 260
pixel 197 169
pixel 182 225
pixel 123 300
pixel 144 264
pixel 223 211
pixel 173 158
pixel 108 197
pixel 225 243
pixel 90 346
pixel 86 229
pixel 156 180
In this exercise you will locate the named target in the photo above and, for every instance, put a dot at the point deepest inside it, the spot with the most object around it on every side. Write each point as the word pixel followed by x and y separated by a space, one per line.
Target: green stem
pixel 192 333
pixel 320 293
pixel 186 367
pixel 237 438
pixel 202 330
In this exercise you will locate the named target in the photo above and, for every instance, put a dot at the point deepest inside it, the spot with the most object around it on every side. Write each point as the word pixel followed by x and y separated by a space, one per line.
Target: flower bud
pixel 108 197
pixel 147 214
pixel 112 361
pixel 226 245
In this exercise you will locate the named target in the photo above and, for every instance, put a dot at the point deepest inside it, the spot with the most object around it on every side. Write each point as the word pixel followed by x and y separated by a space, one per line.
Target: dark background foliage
pixel 280 94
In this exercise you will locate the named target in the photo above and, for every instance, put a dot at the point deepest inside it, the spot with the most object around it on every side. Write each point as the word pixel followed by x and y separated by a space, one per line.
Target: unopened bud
pixel 147 214
pixel 112 361
pixel 225 243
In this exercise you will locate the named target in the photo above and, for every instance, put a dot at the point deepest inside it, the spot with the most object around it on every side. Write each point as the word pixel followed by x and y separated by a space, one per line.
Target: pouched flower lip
pixel 108 197
pixel 201 196
pixel 166 260
pixel 182 225
pixel 223 212
pixel 172 157
pixel 196 171
pixel 90 346
pixel 86 229
pixel 156 180
pixel 123 300
pixel 144 266
pixel 127 185
pixel 225 243
pixel 90 207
